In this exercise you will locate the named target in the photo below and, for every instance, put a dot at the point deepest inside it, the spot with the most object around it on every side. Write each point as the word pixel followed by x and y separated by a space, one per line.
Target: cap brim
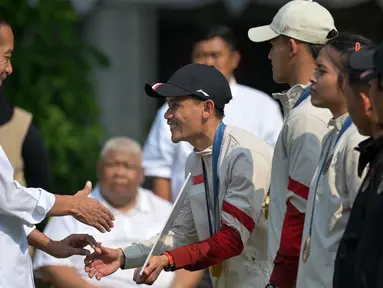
pixel 262 34
pixel 162 90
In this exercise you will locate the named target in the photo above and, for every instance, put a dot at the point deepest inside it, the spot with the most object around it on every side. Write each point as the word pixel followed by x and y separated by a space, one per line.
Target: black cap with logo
pixel 197 80
pixel 369 61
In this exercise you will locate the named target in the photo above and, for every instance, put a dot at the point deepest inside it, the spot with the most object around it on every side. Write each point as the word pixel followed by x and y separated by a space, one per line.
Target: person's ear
pixel 235 59
pixel 142 176
pixel 293 47
pixel 208 109
pixel 366 102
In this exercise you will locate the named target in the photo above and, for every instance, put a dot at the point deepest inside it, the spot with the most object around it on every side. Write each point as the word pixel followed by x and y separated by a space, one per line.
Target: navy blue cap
pixel 197 80
pixel 369 61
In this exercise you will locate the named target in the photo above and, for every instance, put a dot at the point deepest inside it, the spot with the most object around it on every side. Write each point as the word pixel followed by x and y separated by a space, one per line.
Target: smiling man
pixel 221 224
pixel 248 108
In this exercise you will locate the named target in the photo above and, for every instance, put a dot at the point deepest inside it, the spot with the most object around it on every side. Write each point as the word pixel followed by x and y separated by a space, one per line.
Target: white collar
pixel 142 203
pixel 208 151
pixel 338 122
pixel 233 86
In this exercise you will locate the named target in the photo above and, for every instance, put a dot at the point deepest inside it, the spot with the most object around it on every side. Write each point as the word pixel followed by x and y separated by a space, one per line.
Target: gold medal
pixel 306 249
pixel 216 270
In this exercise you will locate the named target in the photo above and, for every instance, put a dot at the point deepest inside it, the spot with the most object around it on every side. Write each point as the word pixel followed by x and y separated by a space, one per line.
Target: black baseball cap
pixel 197 80
pixel 369 61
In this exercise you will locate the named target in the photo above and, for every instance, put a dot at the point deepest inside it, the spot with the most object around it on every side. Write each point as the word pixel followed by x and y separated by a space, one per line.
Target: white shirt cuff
pixel 28 228
pixel 44 205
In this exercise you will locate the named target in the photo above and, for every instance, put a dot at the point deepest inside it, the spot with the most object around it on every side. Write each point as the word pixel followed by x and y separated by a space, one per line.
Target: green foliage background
pixel 52 65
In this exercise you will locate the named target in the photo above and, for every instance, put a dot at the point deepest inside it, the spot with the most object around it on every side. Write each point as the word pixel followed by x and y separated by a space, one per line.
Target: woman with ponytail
pixel 336 181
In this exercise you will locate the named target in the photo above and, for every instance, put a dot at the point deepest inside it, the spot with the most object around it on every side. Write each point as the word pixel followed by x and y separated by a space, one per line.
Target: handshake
pixel 103 261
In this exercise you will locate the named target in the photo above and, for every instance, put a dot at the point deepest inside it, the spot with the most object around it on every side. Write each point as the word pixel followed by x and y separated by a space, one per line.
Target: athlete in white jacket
pixel 222 223
pixel 297 32
pixel 336 181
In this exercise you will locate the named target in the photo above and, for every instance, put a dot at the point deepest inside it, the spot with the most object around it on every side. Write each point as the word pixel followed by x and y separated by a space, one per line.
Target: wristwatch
pixel 271 286
pixel 171 266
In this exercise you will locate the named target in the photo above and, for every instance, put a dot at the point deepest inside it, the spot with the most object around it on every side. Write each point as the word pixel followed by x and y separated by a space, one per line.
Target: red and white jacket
pixel 336 191
pixel 296 156
pixel 244 171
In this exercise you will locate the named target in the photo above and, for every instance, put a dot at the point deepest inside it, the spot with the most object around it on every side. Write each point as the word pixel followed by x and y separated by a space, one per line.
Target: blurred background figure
pixel 23 145
pixel 139 214
pixel 164 160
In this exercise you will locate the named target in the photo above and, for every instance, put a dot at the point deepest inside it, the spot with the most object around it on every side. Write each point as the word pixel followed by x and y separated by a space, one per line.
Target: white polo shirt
pixel 19 207
pixel 250 109
pixel 337 189
pixel 144 221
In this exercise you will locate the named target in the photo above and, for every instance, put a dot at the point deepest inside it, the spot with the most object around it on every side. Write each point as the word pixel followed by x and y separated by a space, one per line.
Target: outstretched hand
pixel 155 265
pixel 72 245
pixel 90 212
pixel 104 263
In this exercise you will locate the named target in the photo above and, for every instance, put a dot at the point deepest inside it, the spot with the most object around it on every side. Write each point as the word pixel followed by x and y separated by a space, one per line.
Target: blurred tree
pixel 51 79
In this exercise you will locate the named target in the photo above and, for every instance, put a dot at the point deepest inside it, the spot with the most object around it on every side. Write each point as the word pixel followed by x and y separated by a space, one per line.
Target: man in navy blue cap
pixel 221 224
pixel 358 262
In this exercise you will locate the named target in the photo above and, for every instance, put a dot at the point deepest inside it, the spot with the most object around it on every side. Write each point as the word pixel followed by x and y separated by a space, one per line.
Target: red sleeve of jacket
pixel 287 259
pixel 225 244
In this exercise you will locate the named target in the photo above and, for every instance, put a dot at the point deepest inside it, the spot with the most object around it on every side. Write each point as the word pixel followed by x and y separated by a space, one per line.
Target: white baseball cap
pixel 303 20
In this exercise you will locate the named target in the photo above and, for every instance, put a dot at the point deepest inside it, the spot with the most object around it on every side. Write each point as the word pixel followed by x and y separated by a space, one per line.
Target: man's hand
pixel 152 271
pixel 104 263
pixel 89 211
pixel 85 209
pixel 72 245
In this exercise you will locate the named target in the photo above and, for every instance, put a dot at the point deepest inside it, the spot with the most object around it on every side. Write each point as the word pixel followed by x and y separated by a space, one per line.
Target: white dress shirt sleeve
pixel 28 204
pixel 158 154
pixel 28 228
pixel 273 127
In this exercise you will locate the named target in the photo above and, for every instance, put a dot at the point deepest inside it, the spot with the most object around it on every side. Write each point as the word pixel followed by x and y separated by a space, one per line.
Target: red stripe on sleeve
pixel 238 214
pixel 298 188
pixel 224 244
pixel 198 179
pixel 287 259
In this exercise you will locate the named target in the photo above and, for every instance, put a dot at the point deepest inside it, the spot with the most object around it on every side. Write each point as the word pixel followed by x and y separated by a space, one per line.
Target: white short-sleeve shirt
pixel 144 221
pixel 250 109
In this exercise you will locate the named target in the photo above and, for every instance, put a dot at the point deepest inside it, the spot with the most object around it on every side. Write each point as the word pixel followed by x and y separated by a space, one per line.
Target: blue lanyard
pixel 346 124
pixel 216 151
pixel 306 93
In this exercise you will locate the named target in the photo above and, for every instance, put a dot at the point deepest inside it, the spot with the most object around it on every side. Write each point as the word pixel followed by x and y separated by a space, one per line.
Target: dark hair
pixel 4 21
pixel 345 44
pixel 220 113
pixel 222 31
pixel 315 49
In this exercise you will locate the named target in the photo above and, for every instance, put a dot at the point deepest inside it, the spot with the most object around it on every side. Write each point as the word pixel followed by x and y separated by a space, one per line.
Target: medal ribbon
pixel 347 123
pixel 214 224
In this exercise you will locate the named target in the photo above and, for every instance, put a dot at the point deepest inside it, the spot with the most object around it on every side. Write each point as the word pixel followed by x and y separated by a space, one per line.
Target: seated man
pixel 138 214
